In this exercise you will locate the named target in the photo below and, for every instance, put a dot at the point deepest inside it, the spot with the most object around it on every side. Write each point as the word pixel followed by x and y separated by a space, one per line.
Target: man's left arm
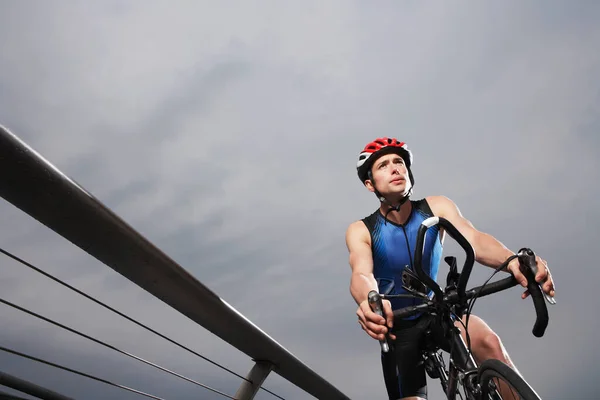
pixel 489 251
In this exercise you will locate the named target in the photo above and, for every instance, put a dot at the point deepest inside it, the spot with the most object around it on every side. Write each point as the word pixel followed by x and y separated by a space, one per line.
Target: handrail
pixel 29 388
pixel 38 188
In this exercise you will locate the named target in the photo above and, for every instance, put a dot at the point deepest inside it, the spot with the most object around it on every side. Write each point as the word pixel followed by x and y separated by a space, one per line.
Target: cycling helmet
pixel 380 147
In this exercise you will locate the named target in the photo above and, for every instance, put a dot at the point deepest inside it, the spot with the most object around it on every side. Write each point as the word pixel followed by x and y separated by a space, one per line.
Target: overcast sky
pixel 227 134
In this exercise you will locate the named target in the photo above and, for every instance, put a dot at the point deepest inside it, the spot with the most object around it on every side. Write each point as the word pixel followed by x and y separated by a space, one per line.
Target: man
pixel 382 244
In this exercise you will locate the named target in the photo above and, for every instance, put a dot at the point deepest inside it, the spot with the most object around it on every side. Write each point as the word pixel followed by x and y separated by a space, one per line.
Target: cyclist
pixel 382 244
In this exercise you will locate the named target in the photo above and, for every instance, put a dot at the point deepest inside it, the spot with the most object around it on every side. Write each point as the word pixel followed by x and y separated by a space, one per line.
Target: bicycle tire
pixel 496 369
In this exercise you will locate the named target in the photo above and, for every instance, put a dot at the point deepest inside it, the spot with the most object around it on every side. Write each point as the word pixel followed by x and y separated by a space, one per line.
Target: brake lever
pixel 376 305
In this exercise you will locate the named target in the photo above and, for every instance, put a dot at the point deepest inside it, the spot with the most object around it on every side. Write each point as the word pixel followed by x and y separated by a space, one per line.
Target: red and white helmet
pixel 380 147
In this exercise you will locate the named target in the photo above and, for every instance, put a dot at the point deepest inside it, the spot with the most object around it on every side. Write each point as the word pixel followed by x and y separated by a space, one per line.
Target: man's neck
pixel 398 217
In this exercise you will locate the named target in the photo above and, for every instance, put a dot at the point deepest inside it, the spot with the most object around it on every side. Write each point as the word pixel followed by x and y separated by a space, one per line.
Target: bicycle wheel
pixel 492 372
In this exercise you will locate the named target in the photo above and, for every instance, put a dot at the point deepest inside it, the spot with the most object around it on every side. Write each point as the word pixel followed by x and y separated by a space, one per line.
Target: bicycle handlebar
pixel 528 267
pixel 452 297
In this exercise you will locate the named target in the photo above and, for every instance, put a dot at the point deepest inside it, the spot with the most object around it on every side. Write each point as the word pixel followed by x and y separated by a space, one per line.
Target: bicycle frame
pixel 462 366
pixel 452 302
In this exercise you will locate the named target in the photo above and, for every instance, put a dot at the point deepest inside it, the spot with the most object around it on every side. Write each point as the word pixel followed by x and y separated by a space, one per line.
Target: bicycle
pixel 450 305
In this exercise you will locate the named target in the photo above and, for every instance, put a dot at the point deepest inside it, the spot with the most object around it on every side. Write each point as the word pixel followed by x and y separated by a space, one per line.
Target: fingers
pixel 370 322
pixel 370 315
pixel 548 286
pixel 369 332
pixel 389 313
pixel 544 277
pixel 542 269
pixel 514 269
pixel 363 325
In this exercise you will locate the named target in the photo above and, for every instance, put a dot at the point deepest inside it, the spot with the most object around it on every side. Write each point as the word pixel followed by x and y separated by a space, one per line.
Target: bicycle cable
pixel 468 336
pixel 472 300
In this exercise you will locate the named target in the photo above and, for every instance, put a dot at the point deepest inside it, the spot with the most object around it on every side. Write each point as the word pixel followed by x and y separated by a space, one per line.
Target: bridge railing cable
pixel 22 309
pixel 112 309
pixel 40 360
pixel 38 188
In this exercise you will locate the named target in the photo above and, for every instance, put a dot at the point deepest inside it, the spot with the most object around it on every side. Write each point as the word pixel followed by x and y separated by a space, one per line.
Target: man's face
pixel 390 176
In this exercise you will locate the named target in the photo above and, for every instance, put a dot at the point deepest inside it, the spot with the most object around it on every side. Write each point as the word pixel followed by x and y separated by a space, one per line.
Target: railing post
pixel 256 377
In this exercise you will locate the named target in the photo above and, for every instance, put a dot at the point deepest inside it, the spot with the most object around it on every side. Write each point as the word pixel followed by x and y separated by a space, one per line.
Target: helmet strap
pixel 391 205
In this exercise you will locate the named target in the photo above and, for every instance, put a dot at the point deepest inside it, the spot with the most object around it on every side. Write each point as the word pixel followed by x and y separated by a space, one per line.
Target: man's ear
pixel 369 185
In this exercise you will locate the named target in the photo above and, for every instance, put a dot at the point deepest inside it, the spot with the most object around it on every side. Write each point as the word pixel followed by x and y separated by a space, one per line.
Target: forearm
pixel 360 286
pixel 489 251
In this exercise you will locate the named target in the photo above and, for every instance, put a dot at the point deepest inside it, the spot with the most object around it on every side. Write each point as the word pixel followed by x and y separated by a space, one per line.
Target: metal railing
pixel 30 388
pixel 35 186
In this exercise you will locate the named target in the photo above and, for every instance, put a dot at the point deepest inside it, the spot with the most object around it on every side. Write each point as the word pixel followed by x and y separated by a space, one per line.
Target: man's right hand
pixel 373 324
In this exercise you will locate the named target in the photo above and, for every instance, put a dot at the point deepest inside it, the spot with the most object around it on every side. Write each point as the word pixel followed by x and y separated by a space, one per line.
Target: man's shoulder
pixel 357 230
pixel 438 198
pixel 364 220
pixel 439 204
pixel 363 225
pixel 356 225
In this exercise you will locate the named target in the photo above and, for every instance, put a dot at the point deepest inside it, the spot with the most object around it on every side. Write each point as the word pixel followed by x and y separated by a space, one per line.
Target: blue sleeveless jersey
pixel 393 247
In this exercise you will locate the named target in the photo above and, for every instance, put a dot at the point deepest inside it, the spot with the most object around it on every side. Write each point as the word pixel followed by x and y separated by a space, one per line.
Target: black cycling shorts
pixel 403 370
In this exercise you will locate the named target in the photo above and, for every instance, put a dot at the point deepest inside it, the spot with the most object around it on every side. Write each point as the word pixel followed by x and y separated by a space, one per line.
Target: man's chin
pixel 398 192
pixel 395 196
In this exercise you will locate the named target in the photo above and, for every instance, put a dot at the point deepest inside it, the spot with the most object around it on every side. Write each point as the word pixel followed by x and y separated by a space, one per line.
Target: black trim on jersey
pixel 423 205
pixel 420 205
pixel 370 222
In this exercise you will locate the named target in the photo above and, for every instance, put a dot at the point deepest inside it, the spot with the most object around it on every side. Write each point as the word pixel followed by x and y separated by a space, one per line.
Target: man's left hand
pixel 543 276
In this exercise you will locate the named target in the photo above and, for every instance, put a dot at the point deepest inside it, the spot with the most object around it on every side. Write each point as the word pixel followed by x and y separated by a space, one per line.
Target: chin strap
pixel 392 207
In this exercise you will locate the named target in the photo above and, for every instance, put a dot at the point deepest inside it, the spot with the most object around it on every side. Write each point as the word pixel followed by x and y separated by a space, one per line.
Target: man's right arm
pixel 362 280
pixel 361 261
